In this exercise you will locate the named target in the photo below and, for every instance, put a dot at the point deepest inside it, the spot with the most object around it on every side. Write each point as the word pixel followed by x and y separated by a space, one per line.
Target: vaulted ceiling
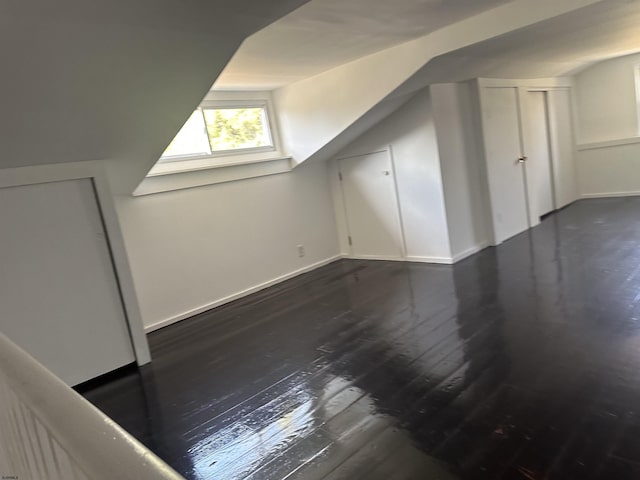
pixel 338 66
pixel 112 79
pixel 115 79
pixel 321 113
pixel 324 34
pixel 562 45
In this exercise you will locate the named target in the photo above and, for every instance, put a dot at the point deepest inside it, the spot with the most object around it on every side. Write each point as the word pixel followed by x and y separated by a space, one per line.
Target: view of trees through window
pixel 232 128
pixel 211 130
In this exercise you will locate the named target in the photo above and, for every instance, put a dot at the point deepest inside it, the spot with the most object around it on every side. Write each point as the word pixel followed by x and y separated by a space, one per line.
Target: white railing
pixel 49 432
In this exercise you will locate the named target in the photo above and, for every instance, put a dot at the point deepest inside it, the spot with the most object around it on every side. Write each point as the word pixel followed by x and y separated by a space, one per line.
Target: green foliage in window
pixel 235 128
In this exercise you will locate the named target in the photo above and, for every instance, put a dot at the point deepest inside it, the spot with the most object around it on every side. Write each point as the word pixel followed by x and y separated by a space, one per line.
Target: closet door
pixel 505 173
pixel 562 147
pixel 538 151
pixel 59 297
pixel 371 206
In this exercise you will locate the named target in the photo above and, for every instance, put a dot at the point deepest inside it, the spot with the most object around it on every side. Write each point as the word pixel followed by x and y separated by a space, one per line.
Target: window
pixel 217 129
pixel 232 135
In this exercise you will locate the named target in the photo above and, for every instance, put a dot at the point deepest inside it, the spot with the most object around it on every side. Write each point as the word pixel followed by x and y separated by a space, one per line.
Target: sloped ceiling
pixel 559 46
pixel 324 34
pixel 328 57
pixel 318 112
pixel 112 79
pixel 115 79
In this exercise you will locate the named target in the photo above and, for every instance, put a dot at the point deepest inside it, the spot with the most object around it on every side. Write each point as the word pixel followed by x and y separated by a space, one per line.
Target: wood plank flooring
pixel 521 362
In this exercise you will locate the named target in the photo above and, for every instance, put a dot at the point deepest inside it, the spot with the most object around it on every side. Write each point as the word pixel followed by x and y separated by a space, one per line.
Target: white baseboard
pixel 610 194
pixel 236 296
pixel 221 301
pixel 439 260
pixel 373 257
pixel 470 251
pixel 423 259
pixel 436 260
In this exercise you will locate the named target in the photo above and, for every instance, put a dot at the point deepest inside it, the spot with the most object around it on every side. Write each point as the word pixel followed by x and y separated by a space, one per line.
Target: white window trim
pixel 212 176
pixel 228 158
pixel 210 170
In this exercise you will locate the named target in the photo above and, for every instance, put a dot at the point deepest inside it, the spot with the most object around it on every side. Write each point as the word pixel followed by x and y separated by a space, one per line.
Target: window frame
pixel 232 155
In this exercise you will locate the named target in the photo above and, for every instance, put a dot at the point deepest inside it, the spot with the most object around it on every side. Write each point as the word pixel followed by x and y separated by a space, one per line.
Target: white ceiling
pixel 560 46
pixel 323 34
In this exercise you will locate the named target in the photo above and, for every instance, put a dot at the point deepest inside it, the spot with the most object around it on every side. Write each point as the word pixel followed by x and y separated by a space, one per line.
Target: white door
pixel 371 206
pixel 501 128
pixel 537 150
pixel 562 147
pixel 59 298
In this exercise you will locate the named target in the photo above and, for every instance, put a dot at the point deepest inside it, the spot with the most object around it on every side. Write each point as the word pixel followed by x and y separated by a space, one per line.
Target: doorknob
pixel 522 159
pixel 386 172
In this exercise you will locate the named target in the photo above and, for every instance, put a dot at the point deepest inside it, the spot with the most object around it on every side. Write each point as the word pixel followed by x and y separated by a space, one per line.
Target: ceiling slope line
pixel 316 112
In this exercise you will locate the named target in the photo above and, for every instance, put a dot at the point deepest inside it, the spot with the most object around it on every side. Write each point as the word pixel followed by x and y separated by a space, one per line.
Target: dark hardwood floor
pixel 521 362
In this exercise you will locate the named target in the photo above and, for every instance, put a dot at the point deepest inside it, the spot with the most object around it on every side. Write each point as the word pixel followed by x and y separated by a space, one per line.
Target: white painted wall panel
pixel 411 133
pixel 606 100
pixel 462 174
pixel 606 110
pixel 610 171
pixel 195 248
pixel 59 298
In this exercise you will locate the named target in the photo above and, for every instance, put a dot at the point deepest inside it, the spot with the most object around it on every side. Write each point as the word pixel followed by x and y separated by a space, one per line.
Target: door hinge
pixel 350 241
pixel 340 176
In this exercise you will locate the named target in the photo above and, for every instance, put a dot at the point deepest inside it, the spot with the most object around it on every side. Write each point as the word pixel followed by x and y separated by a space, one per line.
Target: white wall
pixel 462 173
pixel 411 133
pixel 609 171
pixel 607 122
pixel 460 141
pixel 196 248
pixel 606 106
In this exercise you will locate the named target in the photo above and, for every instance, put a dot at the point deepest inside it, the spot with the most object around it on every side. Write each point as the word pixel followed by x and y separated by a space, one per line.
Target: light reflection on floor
pixel 235 451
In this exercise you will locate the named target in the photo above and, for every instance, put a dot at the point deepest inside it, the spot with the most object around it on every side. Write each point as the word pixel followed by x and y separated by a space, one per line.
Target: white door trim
pixel 401 230
pixel 403 237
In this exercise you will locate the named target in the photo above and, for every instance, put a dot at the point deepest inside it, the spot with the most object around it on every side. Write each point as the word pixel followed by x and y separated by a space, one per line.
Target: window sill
pixel 207 162
pixel 189 174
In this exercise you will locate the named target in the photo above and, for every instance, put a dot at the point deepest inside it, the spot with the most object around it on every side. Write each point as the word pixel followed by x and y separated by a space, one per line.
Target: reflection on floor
pixel 521 362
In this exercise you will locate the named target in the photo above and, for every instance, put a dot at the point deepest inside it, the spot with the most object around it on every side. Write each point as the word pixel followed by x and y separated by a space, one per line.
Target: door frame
pixel 489 171
pixel 522 88
pixel 523 99
pixel 94 171
pixel 346 246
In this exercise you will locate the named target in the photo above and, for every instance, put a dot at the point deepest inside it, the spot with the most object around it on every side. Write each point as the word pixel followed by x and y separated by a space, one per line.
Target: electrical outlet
pixel 300 250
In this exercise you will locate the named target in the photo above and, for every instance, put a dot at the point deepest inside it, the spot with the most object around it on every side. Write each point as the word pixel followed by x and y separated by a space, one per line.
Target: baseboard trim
pixel 470 251
pixel 373 257
pixel 436 260
pixel 423 259
pixel 256 288
pixel 610 194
